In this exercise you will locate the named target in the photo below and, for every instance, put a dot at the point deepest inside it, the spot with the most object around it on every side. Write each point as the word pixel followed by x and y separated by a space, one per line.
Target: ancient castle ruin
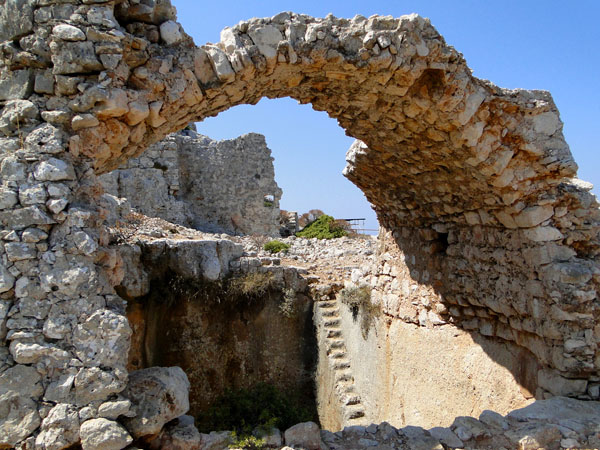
pixel 487 257
pixel 215 186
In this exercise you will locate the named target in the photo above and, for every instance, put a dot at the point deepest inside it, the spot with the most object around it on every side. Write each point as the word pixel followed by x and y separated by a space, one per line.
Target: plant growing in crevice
pixel 253 284
pixel 358 300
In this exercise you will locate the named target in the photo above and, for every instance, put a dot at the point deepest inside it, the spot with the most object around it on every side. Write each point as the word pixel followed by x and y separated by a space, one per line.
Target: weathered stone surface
pixel 158 395
pixel 15 85
pixel 16 19
pixel 306 435
pixel 180 435
pixel 18 418
pixel 187 179
pixel 451 248
pixel 216 440
pixel 103 434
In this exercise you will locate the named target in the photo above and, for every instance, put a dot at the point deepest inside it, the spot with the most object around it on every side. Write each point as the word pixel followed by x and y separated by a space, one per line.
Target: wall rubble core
pixel 473 184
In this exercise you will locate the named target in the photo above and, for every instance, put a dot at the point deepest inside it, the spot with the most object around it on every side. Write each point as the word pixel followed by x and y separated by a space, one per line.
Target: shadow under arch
pixel 454 166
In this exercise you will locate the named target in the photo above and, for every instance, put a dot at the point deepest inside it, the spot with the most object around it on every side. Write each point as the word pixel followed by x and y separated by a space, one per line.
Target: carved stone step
pixel 354 412
pixel 330 312
pixel 344 376
pixel 327 304
pixel 350 399
pixel 333 323
pixel 334 333
pixel 338 343
pixel 337 354
pixel 341 365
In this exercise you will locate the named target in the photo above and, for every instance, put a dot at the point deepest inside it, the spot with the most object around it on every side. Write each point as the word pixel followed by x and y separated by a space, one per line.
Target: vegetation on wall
pixel 358 300
pixel 325 227
pixel 250 284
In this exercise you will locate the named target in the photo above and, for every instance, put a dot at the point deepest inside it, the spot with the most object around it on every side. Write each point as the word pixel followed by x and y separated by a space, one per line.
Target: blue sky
pixel 550 45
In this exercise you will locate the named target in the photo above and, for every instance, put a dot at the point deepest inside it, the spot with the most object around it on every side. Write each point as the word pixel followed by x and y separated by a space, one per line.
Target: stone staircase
pixel 327 315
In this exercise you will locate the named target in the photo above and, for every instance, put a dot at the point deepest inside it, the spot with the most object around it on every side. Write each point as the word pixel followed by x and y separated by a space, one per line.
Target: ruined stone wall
pixel 448 161
pixel 214 186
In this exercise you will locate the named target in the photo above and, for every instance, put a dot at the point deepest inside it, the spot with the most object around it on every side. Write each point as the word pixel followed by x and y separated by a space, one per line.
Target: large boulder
pixel 158 395
pixel 306 435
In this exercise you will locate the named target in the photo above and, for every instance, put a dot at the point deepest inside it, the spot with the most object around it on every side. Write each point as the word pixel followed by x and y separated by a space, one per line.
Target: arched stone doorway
pixel 473 183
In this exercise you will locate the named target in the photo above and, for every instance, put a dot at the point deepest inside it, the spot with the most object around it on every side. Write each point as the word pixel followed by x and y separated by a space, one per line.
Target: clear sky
pixel 534 44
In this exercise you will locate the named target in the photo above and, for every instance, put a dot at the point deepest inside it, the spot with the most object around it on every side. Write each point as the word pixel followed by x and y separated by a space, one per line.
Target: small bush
pixel 268 204
pixel 247 442
pixel 324 227
pixel 262 406
pixel 276 246
pixel 358 300
pixel 251 284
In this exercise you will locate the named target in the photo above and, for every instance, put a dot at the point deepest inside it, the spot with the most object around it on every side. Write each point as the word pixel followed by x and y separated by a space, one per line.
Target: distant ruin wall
pixel 216 186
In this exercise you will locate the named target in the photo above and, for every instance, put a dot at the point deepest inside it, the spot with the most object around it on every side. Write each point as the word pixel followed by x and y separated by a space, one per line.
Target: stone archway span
pixel 441 155
pixel 473 183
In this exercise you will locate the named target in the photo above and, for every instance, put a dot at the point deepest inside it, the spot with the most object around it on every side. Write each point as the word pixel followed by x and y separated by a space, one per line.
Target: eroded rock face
pixel 475 184
pixel 216 186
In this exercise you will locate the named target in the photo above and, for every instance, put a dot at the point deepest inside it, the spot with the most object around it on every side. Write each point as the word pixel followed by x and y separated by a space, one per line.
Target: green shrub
pixel 262 406
pixel 325 227
pixel 247 442
pixel 276 246
pixel 358 300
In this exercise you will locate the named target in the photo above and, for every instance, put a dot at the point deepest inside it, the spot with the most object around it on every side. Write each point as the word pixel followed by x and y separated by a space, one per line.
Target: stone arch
pixel 474 183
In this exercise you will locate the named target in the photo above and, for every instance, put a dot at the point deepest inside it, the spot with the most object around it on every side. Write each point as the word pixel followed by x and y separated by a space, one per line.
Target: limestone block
pixel 533 215
pixel 158 395
pixel 170 32
pixel 266 38
pixel 179 435
pixel 216 440
pixel 546 123
pixel 54 169
pixel 112 410
pixel 103 339
pixel 74 58
pixel 81 121
pixel 8 198
pixel 554 383
pixel 45 138
pixel 92 384
pixel 306 435
pixel 103 434
pixel 16 115
pixel 25 217
pixel 60 428
pixel 543 234
pixel 115 105
pixel 220 63
pixel 203 68
pixel 16 19
pixel 7 280
pixel 18 418
pixel 68 33
pixel 44 82
pixel 138 111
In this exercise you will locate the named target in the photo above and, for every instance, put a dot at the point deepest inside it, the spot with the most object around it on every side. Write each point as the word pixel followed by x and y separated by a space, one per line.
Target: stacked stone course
pixel 475 184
